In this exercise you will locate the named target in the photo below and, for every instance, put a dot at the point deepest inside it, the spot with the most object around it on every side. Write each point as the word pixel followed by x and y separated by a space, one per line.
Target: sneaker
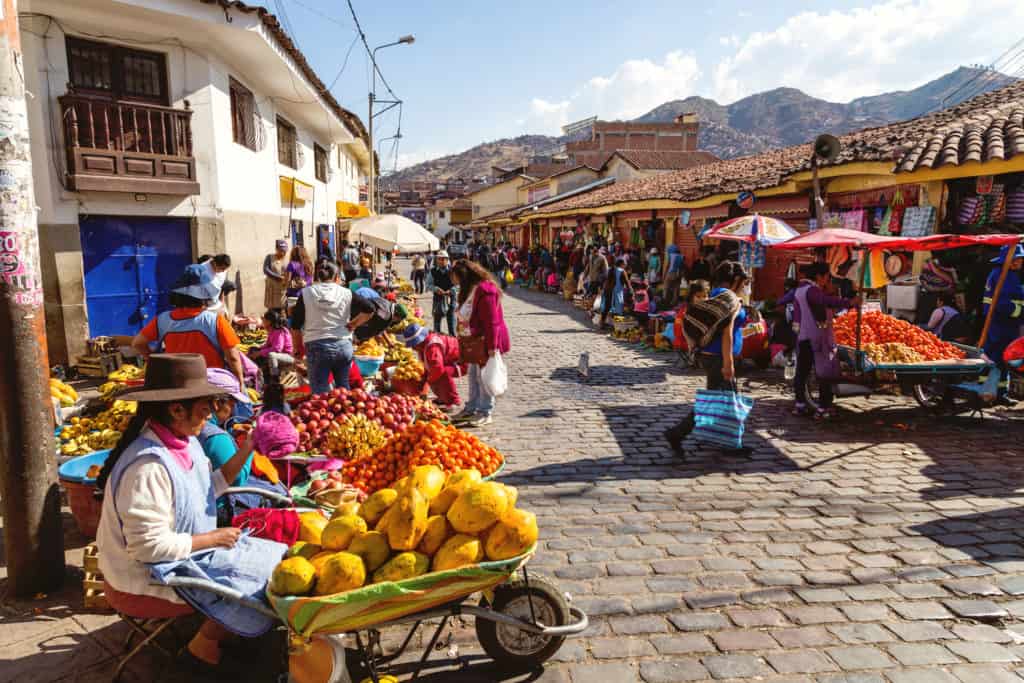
pixel 464 416
pixel 480 421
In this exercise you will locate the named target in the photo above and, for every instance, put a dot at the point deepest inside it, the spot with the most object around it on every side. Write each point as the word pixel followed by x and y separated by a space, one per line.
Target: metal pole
pixel 370 194
pixel 1007 262
pixel 30 504
pixel 818 204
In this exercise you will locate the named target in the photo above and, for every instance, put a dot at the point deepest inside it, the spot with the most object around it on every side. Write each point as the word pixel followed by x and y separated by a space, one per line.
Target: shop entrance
pixel 130 265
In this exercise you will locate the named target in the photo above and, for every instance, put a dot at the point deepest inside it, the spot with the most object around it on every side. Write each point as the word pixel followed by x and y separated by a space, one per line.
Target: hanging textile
pixel 874 275
pixel 853 220
pixel 918 221
pixel 752 254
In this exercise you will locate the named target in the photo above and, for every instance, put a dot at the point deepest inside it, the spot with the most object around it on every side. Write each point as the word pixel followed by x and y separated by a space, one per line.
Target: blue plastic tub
pixel 74 470
pixel 369 365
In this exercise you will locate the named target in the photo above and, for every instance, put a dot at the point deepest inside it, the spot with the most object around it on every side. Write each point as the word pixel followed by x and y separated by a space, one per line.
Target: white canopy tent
pixel 391 230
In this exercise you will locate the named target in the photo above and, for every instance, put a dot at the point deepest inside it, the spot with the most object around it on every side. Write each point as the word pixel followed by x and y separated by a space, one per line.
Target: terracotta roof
pixel 286 43
pixel 565 169
pixel 985 128
pixel 663 160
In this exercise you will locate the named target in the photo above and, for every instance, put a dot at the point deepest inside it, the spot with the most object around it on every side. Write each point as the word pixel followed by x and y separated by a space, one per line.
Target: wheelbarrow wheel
pixel 510 646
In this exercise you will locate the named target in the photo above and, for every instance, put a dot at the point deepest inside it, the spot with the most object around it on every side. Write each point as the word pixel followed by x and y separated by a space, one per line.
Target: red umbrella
pixel 833 237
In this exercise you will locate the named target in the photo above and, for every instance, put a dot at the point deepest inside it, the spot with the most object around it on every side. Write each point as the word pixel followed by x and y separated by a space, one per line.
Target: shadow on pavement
pixel 465 669
pixel 989 537
pixel 612 375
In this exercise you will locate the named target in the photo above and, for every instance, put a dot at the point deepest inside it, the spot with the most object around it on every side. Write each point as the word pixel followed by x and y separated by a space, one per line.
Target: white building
pixel 166 129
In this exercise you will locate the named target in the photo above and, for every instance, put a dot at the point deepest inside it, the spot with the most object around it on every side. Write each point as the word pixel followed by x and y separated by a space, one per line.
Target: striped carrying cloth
pixel 719 417
pixel 377 603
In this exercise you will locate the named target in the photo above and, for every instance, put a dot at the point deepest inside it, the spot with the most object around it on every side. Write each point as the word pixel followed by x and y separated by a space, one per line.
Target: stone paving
pixel 885 546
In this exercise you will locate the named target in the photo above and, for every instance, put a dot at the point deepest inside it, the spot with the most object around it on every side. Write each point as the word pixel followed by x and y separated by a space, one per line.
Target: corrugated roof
pixel 989 127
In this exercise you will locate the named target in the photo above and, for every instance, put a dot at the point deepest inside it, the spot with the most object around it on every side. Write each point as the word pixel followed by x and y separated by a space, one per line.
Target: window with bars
pixel 243 115
pixel 320 163
pixel 287 141
pixel 117 72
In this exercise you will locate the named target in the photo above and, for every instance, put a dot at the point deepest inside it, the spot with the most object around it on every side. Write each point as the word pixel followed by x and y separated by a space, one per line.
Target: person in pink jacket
pixel 479 314
pixel 440 357
pixel 278 349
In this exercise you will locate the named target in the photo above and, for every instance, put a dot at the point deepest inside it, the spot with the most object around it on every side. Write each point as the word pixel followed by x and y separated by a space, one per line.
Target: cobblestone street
pixel 886 546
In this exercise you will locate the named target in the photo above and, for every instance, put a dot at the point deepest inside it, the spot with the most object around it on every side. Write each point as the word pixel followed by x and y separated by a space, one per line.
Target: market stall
pixel 879 351
pixel 393 231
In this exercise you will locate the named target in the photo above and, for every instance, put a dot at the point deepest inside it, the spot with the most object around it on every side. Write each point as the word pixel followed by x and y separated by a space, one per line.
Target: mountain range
pixel 774 118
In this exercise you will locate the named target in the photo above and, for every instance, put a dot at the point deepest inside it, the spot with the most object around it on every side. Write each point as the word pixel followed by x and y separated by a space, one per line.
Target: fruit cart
pixel 950 385
pixel 521 620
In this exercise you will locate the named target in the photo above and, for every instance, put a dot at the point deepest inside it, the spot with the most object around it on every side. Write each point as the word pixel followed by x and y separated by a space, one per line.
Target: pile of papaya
pixel 425 522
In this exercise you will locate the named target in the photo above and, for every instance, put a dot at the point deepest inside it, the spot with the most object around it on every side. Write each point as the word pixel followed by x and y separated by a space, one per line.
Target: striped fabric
pixel 381 602
pixel 719 417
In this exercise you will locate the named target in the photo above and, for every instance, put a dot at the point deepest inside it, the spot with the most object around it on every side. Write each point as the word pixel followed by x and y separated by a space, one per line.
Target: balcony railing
pixel 118 146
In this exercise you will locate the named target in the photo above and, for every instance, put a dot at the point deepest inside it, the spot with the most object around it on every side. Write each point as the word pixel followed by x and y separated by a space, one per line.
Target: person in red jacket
pixel 440 357
pixel 480 316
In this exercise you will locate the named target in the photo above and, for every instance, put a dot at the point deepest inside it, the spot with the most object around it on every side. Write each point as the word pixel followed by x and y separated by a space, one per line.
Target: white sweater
pixel 144 532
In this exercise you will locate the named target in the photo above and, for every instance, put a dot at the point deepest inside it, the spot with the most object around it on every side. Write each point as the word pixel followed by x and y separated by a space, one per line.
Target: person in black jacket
pixel 444 292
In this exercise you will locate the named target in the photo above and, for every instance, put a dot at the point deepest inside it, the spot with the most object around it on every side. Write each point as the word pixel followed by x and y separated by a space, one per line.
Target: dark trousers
pixel 804 365
pixel 444 309
pixel 419 278
pixel 711 363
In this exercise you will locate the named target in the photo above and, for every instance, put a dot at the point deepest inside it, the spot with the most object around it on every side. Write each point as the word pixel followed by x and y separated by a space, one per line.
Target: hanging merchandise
pixel 652 232
pixel 1015 206
pixel 919 221
pixel 874 275
pixel 832 219
pixel 752 254
pixel 853 220
pixel 634 237
pixel 877 218
pixel 970 210
pixel 898 206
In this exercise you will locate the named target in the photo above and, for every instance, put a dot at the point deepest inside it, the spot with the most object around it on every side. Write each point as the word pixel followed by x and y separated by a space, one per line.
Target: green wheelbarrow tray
pixel 416 599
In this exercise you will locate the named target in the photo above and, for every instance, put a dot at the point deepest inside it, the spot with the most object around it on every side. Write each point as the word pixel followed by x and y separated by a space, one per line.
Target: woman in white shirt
pixel 159 513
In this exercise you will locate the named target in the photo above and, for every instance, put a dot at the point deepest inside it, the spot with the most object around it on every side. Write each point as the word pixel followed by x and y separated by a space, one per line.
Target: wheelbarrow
pixel 520 620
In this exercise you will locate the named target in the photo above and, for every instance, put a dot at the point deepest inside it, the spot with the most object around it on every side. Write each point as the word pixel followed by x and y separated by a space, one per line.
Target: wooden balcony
pixel 117 146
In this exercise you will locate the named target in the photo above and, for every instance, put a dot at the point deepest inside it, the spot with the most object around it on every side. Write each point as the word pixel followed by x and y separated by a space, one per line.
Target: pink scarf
pixel 177 446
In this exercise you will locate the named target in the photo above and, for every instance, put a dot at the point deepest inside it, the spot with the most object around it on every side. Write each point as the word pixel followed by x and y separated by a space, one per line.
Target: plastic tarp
pixel 378 603
pixel 831 237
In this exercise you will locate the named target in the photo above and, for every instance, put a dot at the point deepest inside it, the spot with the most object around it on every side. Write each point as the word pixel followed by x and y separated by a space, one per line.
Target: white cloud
pixel 841 55
pixel 635 87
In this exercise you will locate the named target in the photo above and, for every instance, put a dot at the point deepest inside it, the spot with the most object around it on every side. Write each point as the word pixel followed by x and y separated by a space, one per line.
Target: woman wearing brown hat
pixel 159 515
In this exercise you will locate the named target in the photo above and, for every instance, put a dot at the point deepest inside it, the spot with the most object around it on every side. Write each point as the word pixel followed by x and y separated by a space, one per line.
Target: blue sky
pixel 484 70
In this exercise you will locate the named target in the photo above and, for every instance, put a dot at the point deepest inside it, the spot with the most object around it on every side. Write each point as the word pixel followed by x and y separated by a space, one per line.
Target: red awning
pixel 831 237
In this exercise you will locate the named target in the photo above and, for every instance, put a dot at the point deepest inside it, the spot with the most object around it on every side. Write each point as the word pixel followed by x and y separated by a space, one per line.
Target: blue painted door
pixel 130 265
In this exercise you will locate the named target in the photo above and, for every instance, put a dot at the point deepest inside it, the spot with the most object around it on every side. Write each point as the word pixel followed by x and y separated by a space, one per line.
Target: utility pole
pixel 33 538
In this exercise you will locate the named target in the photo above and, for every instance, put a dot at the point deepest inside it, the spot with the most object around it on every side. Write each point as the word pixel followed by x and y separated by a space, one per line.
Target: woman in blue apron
pixel 159 515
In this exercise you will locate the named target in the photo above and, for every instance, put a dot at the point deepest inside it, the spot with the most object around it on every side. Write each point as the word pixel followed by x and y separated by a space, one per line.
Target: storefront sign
pixel 984 184
pixel 745 199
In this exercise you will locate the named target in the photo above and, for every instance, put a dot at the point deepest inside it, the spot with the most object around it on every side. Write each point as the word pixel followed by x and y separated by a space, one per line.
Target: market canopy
pixel 392 231
pixel 841 237
pixel 763 230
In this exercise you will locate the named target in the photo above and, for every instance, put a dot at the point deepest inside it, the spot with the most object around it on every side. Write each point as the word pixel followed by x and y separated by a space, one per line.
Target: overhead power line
pixel 322 15
pixel 369 52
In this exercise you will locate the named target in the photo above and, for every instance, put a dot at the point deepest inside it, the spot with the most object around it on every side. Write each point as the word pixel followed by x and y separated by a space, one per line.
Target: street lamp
pixel 404 40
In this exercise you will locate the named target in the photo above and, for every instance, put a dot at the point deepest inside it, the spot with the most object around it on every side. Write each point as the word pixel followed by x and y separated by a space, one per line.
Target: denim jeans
pixel 439 301
pixel 327 356
pixel 480 402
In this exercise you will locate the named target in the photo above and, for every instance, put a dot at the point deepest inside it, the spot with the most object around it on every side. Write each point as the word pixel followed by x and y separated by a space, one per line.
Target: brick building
pixel 607 137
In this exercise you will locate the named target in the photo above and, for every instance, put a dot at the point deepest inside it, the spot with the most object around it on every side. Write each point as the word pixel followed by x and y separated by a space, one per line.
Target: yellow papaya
pixel 292 576
pixel 458 551
pixel 436 533
pixel 402 566
pixel 374 507
pixel 513 535
pixel 340 531
pixel 428 480
pixel 303 549
pixel 341 572
pixel 457 482
pixel 345 509
pixel 407 520
pixel 311 526
pixel 373 547
pixel 478 507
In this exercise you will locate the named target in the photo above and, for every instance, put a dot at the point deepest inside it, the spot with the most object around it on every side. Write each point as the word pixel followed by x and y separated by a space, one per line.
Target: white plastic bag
pixel 494 376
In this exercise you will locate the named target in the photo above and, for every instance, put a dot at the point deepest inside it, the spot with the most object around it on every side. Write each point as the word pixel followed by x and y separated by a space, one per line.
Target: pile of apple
pixel 313 417
pixel 334 481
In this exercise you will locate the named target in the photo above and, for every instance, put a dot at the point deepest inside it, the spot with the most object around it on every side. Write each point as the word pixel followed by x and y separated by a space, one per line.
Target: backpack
pixel 705 320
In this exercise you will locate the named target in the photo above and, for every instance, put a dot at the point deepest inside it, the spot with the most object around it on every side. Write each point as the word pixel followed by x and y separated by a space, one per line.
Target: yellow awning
pixel 350 210
pixel 290 187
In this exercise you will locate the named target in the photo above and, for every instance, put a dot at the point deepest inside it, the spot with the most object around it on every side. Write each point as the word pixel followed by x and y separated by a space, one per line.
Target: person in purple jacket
pixel 479 314
pixel 813 311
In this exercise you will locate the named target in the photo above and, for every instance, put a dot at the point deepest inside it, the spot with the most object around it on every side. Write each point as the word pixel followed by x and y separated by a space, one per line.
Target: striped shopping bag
pixel 719 417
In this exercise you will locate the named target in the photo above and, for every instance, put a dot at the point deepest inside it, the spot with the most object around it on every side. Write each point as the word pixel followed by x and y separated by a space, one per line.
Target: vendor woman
pixel 159 514
pixel 440 357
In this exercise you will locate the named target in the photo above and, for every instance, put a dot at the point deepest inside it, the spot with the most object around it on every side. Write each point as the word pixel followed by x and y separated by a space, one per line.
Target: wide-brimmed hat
pixel 197 282
pixel 226 380
pixel 414 335
pixel 441 254
pixel 174 377
pixel 1018 252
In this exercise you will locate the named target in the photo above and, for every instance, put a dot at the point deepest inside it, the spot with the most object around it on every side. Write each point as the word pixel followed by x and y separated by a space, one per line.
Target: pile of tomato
pixel 424 443
pixel 879 328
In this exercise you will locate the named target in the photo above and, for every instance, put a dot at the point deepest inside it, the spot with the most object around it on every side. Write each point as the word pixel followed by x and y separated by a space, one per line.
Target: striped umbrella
pixel 752 228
